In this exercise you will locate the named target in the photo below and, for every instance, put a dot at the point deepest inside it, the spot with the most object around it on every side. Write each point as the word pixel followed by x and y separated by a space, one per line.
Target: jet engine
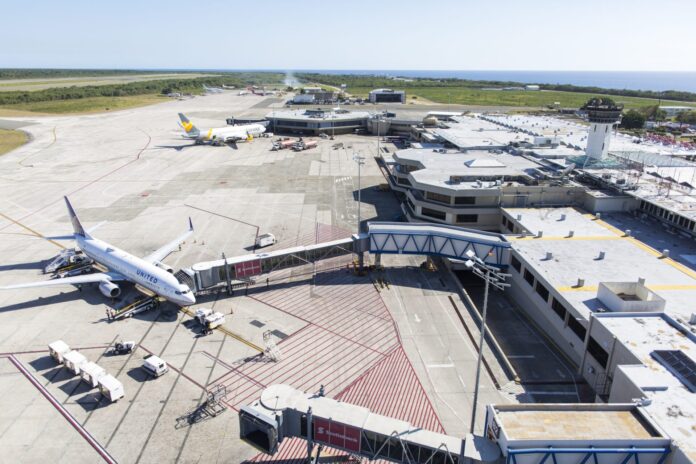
pixel 109 289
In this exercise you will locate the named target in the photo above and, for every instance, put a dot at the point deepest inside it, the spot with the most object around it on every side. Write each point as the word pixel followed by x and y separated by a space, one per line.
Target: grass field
pixel 11 139
pixel 478 97
pixel 7 85
pixel 83 105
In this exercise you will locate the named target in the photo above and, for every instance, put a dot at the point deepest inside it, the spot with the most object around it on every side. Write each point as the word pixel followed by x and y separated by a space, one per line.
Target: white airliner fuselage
pixel 148 272
pixel 229 134
pixel 220 135
pixel 136 270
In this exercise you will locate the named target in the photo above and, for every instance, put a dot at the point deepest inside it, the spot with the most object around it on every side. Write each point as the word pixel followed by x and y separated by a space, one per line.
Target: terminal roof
pixel 671 404
pixel 312 115
pixel 472 132
pixel 573 424
pixel 437 168
pixel 574 133
pixel 626 259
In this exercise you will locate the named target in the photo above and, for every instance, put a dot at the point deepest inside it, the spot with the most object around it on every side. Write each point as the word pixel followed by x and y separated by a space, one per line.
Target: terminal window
pixel 577 328
pixel 347 123
pixel 464 200
pixel 558 308
pixel 433 213
pixel 470 218
pixel 529 277
pixel 438 197
pixel 542 291
pixel 293 123
pixel 597 352
pixel 515 263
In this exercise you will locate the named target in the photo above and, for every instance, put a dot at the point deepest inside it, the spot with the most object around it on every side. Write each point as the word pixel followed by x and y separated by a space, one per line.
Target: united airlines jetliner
pixel 147 272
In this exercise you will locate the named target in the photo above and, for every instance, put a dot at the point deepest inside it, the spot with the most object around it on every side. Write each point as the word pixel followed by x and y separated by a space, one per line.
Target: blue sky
pixel 352 34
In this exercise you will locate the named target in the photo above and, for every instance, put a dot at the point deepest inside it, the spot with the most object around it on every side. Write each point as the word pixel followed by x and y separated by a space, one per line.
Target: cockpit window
pixel 178 292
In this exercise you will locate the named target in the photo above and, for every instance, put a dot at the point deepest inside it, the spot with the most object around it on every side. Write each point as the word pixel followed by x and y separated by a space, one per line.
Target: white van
pixel 110 387
pixel 265 240
pixel 155 366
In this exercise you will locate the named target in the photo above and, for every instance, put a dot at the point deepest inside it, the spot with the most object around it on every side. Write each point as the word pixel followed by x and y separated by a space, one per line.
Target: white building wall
pixel 598 140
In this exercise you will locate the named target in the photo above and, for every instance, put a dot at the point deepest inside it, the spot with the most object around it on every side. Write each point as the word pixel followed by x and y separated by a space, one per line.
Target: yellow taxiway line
pixel 32 231
pixel 230 333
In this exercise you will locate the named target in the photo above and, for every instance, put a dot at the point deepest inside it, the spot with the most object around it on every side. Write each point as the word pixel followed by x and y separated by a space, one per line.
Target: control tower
pixel 602 113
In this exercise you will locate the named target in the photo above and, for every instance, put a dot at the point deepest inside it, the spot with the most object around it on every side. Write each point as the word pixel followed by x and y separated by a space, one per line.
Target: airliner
pixel 220 135
pixel 148 272
pixel 262 92
pixel 211 89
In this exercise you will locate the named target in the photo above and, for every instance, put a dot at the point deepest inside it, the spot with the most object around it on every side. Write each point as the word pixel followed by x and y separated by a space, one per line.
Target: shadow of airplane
pixel 176 147
pixel 23 266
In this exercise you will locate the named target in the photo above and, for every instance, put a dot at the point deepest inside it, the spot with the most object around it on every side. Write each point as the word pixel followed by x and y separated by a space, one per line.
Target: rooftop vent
pixel 629 297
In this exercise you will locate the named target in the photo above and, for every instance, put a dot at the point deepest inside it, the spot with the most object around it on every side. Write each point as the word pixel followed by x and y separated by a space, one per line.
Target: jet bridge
pixel 437 240
pixel 284 412
pixel 241 270
pixel 381 238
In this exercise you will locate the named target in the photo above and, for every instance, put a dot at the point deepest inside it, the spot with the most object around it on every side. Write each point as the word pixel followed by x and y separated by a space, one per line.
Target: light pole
pixel 358 158
pixel 492 276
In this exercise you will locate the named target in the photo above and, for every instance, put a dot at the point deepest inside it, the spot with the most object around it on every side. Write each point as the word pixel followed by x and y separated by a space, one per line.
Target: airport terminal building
pixel 469 189
pixel 488 162
pixel 317 121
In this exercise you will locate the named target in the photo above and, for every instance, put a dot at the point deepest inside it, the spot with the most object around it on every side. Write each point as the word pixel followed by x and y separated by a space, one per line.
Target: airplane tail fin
pixel 188 126
pixel 77 226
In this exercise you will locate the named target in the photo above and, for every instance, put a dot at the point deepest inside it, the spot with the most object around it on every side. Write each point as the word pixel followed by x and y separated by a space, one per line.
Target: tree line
pixel 163 86
pixel 55 73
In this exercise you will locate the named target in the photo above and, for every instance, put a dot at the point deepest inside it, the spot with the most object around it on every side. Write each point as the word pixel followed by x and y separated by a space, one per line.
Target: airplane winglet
pixel 190 224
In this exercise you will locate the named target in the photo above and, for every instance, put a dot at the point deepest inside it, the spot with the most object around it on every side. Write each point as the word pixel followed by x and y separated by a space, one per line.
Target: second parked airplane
pixel 221 135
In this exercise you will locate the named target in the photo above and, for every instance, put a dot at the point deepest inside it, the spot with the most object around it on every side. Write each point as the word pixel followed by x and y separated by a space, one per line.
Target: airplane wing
pixel 83 279
pixel 233 138
pixel 158 255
